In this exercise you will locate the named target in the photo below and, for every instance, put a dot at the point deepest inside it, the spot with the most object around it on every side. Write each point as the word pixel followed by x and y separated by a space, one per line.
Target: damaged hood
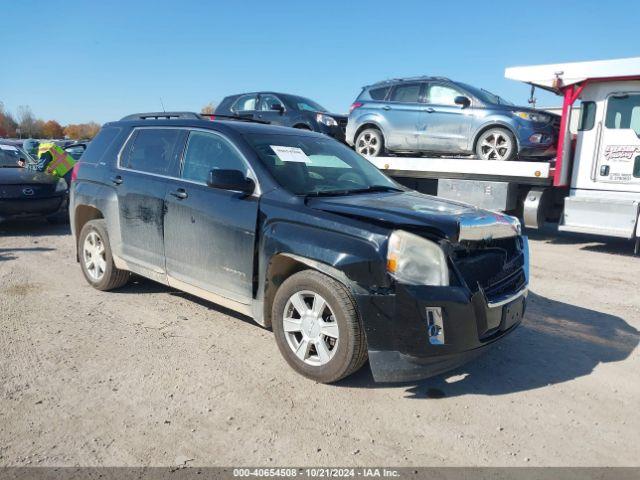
pixel 445 218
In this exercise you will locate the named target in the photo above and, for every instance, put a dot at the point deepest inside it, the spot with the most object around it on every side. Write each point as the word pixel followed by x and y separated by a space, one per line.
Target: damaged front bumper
pixel 421 331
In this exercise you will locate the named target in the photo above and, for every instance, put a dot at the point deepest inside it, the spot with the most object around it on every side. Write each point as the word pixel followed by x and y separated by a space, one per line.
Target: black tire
pixel 370 142
pixel 112 277
pixel 486 152
pixel 351 353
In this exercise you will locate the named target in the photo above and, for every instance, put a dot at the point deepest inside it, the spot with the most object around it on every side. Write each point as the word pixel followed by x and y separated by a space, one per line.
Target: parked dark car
pixel 26 192
pixel 305 236
pixel 76 149
pixel 286 110
pixel 439 116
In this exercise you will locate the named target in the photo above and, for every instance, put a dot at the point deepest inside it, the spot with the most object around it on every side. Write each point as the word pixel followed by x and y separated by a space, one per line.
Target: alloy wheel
pixel 93 254
pixel 496 145
pixel 368 144
pixel 310 328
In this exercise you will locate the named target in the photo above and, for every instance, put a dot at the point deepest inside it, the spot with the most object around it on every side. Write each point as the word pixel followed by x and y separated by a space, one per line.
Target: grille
pixel 496 266
pixel 17 191
pixel 342 123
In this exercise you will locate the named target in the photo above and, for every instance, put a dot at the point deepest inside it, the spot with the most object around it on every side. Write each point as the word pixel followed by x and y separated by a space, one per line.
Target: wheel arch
pixel 489 126
pixel 81 215
pixel 369 124
pixel 284 265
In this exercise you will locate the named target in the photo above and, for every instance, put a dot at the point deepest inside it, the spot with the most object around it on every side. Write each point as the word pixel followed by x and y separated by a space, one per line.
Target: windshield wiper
pixel 369 189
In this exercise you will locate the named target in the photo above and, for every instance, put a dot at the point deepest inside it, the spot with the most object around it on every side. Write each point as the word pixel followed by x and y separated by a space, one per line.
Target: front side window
pixel 209 151
pixel 442 95
pixel 152 150
pixel 587 116
pixel 307 165
pixel 409 93
pixel 623 112
pixel 268 101
pixel 245 103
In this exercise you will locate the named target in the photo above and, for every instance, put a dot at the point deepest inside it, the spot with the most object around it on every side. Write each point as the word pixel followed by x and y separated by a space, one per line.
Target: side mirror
pixel 277 107
pixel 234 180
pixel 463 101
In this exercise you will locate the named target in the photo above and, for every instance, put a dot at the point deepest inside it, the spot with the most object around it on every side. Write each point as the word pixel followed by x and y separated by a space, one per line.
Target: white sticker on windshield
pixel 290 154
pixel 8 147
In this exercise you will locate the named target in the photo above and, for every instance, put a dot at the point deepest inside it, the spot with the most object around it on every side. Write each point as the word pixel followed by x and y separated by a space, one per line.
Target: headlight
pixel 416 261
pixel 61 186
pixel 326 120
pixel 534 116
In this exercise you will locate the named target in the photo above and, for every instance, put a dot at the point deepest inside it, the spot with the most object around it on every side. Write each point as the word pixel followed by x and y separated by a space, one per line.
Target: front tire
pixel 96 259
pixel 317 327
pixel 496 144
pixel 370 143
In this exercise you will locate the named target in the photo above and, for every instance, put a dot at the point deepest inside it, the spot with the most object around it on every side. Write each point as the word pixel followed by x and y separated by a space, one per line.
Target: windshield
pixel 309 165
pixel 486 96
pixel 13 157
pixel 308 105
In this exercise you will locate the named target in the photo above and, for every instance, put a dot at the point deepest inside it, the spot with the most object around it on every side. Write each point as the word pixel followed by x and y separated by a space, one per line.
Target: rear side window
pixel 244 103
pixel 587 116
pixel 99 146
pixel 153 150
pixel 379 93
pixel 409 93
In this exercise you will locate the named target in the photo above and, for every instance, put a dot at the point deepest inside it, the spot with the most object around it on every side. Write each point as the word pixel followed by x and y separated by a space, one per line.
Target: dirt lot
pixel 151 376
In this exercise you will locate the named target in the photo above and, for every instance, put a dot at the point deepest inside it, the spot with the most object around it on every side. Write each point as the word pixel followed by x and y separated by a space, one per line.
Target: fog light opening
pixel 435 326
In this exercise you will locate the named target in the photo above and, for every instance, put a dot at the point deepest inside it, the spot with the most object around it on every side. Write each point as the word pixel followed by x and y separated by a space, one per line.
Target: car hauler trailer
pixel 593 186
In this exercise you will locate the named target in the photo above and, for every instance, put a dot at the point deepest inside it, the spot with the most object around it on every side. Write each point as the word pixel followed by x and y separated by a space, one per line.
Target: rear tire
pixel 370 142
pixel 96 259
pixel 317 327
pixel 496 144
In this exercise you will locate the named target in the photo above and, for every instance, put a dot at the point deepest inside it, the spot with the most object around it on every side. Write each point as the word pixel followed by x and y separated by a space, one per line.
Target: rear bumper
pixel 22 207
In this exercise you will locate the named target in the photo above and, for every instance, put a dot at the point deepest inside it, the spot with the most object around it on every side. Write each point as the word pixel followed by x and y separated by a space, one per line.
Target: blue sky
pixel 78 61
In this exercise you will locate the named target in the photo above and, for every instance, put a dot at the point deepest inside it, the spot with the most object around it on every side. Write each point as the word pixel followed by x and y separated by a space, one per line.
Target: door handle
pixel 386 107
pixel 180 194
pixel 429 110
pixel 117 180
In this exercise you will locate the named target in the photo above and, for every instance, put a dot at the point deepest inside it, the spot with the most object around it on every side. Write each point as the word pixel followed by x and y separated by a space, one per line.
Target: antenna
pixel 162 104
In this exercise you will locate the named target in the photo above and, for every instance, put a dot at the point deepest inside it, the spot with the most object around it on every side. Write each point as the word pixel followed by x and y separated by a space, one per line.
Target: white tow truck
pixel 593 186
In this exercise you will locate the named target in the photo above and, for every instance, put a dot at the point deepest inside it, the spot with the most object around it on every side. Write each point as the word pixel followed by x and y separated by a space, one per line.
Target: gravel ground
pixel 151 376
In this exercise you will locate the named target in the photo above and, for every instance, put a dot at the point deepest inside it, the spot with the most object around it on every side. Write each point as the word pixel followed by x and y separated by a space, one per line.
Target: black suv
pixel 286 110
pixel 302 234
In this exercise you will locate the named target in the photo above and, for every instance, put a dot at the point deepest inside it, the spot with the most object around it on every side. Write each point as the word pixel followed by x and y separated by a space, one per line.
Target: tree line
pixel 26 125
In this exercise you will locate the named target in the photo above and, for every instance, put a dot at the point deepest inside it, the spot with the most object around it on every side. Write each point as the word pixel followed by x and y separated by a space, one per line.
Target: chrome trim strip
pixel 510 298
pixel 487 227
pixel 253 175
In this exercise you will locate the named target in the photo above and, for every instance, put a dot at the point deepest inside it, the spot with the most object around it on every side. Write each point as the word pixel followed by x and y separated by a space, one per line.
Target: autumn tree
pixel 80 131
pixel 7 123
pixel 26 120
pixel 209 108
pixel 52 129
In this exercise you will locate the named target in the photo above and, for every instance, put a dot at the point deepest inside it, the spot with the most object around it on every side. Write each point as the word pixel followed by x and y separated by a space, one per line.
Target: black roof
pixel 393 81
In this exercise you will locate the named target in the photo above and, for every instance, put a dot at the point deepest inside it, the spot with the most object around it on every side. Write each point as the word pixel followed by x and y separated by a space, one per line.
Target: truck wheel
pixel 96 259
pixel 370 142
pixel 317 327
pixel 496 144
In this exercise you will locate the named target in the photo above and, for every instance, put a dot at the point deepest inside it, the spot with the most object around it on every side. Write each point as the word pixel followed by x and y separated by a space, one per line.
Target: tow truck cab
pixel 602 172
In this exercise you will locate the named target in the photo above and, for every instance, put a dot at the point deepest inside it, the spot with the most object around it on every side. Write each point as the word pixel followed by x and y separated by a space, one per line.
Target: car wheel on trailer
pixel 496 144
pixel 96 259
pixel 317 327
pixel 370 142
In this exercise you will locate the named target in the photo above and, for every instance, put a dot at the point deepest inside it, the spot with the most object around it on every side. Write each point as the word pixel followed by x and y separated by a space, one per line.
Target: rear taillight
pixel 74 171
pixel 355 105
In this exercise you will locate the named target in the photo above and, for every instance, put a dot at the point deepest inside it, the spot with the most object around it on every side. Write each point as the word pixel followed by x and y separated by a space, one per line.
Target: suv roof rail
pixel 410 79
pixel 188 115
pixel 161 116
